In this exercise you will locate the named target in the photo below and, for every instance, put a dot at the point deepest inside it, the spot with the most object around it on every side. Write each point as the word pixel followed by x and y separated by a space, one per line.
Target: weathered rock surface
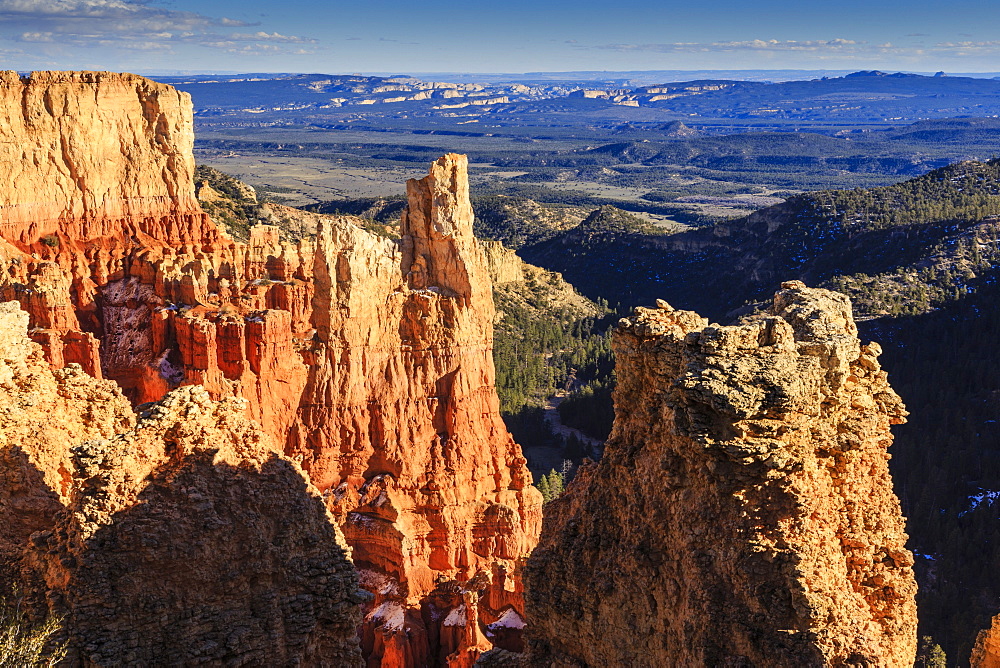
pixel 181 537
pixel 404 426
pixel 366 360
pixel 986 653
pixel 42 412
pixel 743 513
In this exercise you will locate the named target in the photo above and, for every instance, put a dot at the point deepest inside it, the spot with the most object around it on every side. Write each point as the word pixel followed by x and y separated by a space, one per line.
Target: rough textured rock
pixel 367 360
pixel 98 155
pixel 181 537
pixel 743 513
pixel 986 653
pixel 41 413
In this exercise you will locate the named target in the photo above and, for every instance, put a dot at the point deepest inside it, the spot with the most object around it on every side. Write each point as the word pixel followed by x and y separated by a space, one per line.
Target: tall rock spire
pixel 401 421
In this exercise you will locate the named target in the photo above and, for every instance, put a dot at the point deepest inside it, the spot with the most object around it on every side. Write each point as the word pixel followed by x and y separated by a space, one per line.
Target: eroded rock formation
pixel 366 360
pixel 986 653
pixel 743 513
pixel 179 537
pixel 405 427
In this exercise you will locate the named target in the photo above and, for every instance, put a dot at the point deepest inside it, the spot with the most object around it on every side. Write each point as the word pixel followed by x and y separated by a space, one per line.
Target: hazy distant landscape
pixel 682 152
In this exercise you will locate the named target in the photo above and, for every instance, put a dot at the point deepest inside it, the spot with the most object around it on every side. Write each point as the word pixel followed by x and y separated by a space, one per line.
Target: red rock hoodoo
pixel 743 513
pixel 365 360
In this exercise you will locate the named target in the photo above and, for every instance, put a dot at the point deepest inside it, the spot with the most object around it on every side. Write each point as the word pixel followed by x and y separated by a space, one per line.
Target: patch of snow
pixel 456 617
pixel 168 372
pixel 361 520
pixel 390 615
pixel 508 620
pixel 378 582
pixel 976 500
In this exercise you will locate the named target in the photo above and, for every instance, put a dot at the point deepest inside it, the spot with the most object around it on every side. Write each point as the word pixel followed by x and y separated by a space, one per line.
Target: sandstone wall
pixel 743 513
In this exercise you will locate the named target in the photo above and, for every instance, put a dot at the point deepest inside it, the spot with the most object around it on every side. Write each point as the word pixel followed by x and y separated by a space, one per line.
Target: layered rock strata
pixel 366 360
pixel 179 537
pixel 743 513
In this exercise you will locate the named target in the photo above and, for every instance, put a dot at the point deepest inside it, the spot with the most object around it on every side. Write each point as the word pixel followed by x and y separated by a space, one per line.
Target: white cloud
pixel 132 25
pixel 36 37
pixel 838 44
pixel 262 36
pixel 846 49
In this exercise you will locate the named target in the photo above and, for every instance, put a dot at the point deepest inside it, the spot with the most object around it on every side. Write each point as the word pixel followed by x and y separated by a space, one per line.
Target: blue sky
pixel 515 36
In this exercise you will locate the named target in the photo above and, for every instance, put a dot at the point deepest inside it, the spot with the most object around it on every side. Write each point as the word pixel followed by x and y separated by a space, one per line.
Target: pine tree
pixel 557 483
pixel 545 489
pixel 930 654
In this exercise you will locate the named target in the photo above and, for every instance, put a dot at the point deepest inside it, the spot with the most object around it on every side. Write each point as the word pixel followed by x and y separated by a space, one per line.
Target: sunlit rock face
pixel 367 361
pixel 180 535
pixel 743 513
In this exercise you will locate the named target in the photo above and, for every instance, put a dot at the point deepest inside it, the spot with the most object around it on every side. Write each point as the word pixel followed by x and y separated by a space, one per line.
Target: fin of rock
pixel 743 513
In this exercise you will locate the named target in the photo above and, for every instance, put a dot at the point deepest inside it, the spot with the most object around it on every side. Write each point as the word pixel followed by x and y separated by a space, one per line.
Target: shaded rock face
pixel 743 513
pixel 367 361
pixel 178 537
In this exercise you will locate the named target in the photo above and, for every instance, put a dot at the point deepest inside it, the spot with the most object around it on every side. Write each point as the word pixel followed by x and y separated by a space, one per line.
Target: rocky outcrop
pixel 179 537
pixel 986 653
pixel 98 155
pixel 743 513
pixel 42 412
pixel 403 426
pixel 367 360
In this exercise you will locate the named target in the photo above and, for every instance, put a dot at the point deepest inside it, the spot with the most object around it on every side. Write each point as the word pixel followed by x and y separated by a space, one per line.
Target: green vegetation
pixel 590 408
pixel 540 348
pixel 946 458
pixel 551 485
pixel 233 203
pixel 24 643
pixel 930 654
pixel 519 220
pixel 384 210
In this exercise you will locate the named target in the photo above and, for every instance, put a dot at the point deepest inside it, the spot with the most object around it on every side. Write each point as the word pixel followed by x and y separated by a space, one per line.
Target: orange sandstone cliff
pixel 743 513
pixel 176 537
pixel 367 361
